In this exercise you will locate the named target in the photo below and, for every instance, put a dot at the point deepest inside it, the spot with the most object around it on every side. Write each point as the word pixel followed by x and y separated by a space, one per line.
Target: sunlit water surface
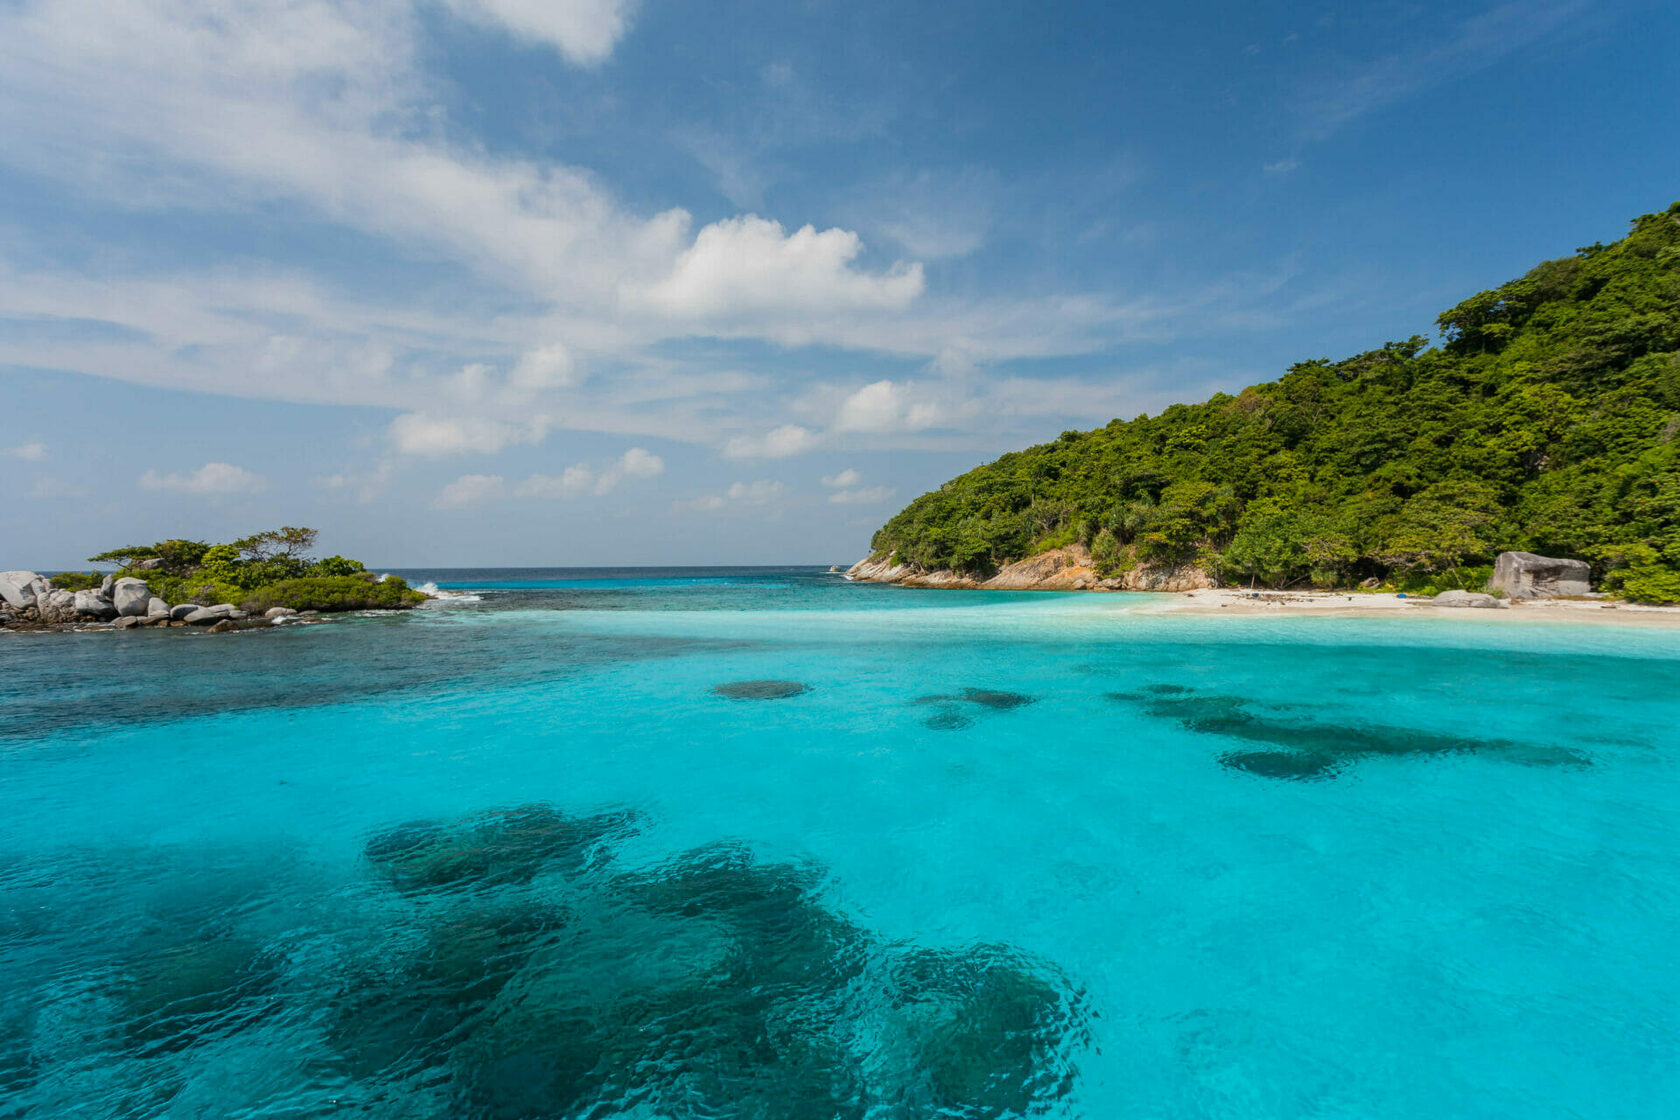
pixel 922 854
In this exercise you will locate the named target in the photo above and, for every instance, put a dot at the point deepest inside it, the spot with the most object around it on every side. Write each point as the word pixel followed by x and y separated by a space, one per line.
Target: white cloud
pixel 886 406
pixel 640 463
pixel 777 443
pixel 330 114
pixel 47 488
pixel 845 478
pixel 31 452
pixel 545 367
pixel 470 490
pixel 365 485
pixel 866 496
pixel 584 479
pixel 705 503
pixel 419 433
pixel 585 31
pixel 748 266
pixel 570 483
pixel 212 479
pixel 756 494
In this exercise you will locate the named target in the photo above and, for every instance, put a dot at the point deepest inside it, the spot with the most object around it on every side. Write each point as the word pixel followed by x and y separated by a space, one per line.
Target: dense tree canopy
pixel 267 569
pixel 1545 421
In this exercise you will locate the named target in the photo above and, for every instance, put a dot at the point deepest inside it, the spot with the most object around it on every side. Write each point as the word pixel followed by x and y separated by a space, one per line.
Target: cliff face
pixel 1060 569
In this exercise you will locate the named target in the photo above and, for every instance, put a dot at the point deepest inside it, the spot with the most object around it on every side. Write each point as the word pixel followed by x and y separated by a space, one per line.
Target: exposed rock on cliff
pixel 1059 569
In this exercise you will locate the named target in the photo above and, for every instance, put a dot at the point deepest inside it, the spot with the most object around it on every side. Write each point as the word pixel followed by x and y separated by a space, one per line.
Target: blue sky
pixel 603 281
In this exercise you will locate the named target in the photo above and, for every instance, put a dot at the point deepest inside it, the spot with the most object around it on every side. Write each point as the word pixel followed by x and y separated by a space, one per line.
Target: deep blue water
pixel 993 855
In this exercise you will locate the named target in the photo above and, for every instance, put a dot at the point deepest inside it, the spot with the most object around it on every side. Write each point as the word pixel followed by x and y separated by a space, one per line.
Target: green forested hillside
pixel 1545 420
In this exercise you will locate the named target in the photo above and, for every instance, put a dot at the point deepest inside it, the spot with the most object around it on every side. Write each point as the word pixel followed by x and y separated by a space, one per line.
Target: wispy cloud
pixel 29 452
pixel 210 480
pixel 871 495
pixel 1337 98
pixel 777 443
pixel 753 495
pixel 575 481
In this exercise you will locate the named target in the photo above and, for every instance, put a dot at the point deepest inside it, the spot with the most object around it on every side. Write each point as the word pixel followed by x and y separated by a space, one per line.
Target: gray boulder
pixel 105 586
pixel 19 588
pixel 90 605
pixel 129 622
pixel 182 611
pixel 156 608
pixel 1523 575
pixel 205 615
pixel 279 612
pixel 225 626
pixel 1468 599
pixel 56 605
pixel 151 565
pixel 131 597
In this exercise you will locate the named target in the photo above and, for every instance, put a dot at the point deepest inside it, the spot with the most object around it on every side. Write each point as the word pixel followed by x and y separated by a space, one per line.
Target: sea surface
pixel 763 843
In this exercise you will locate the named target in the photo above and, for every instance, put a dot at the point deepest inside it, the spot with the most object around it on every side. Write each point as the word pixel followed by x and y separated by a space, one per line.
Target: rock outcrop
pixel 1523 575
pixel 131 597
pixel 1059 569
pixel 1469 599
pixel 93 605
pixel 19 589
pixel 28 600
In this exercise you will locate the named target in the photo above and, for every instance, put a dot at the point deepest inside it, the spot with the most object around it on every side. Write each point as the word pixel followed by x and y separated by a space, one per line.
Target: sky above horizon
pixel 487 282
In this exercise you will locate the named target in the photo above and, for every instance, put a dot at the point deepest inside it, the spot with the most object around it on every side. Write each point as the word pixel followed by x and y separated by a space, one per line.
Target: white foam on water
pixel 442 598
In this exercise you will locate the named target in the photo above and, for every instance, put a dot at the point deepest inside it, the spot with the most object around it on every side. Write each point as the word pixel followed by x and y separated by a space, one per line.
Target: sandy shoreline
pixel 1359 604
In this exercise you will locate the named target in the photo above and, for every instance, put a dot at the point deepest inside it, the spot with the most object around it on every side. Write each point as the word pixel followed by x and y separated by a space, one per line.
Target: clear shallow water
pixel 1006 854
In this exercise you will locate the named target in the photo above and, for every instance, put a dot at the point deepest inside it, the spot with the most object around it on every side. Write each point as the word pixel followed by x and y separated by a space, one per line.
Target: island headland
pixel 1530 454
pixel 256 581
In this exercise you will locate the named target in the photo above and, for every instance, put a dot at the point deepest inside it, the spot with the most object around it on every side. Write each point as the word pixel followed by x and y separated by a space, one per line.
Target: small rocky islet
pixel 31 602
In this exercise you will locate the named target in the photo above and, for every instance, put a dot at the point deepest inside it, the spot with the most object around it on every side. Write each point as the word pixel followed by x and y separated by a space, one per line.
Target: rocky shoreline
pixel 1059 569
pixel 29 601
pixel 1519 578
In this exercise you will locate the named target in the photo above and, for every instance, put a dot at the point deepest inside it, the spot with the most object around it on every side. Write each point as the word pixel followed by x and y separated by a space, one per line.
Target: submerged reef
pixel 508 965
pixel 506 846
pixel 759 690
pixel 950 714
pixel 1309 751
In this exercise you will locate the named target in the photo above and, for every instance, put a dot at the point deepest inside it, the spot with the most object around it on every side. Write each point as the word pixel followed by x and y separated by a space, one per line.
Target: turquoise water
pixel 1001 854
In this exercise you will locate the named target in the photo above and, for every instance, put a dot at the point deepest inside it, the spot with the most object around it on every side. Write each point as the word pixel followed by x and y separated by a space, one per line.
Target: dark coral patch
pixel 178 995
pixel 1293 765
pixel 947 718
pixel 501 847
pixel 1307 751
pixel 994 698
pixel 759 690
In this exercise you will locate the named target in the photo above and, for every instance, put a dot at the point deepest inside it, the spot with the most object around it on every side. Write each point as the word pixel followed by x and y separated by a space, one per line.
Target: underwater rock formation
pixel 1313 751
pixel 175 996
pixel 759 690
pixel 505 846
pixel 715 985
pixel 949 714
pixel 506 966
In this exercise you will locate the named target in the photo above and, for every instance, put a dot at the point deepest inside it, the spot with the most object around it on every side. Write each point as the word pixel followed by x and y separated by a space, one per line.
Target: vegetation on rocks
pixel 1544 421
pixel 268 569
